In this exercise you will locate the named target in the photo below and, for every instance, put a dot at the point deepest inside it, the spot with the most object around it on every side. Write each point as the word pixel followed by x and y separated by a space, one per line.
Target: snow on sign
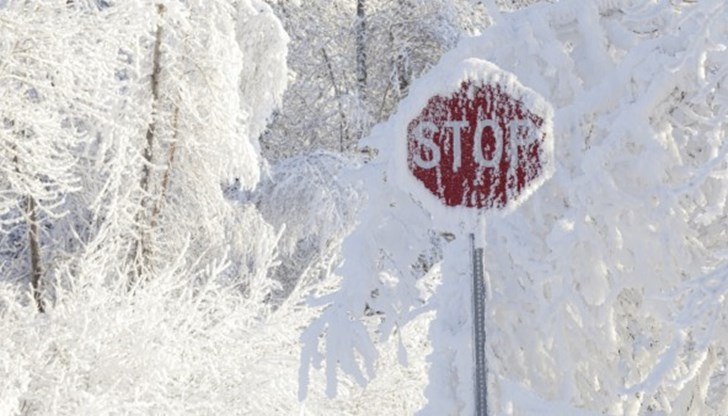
pixel 483 145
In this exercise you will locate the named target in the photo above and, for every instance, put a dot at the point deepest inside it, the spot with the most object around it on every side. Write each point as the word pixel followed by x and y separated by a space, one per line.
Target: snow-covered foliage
pixel 121 123
pixel 606 290
pixel 264 45
pixel 181 344
pixel 323 108
pixel 311 201
pixel 207 126
pixel 49 101
pixel 137 114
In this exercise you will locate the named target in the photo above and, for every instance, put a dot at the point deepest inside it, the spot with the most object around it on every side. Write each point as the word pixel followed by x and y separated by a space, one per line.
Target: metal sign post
pixel 480 381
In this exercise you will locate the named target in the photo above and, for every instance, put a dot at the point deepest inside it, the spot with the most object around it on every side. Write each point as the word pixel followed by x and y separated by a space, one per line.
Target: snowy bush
pixel 311 201
pixel 181 344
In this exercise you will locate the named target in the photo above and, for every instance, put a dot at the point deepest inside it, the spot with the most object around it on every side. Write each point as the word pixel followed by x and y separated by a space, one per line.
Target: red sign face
pixel 477 148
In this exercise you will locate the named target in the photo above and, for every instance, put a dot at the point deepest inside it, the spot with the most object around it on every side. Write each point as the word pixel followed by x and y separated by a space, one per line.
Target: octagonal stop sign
pixel 480 147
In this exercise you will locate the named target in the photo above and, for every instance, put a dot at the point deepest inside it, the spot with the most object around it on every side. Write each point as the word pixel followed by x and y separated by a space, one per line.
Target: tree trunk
pixel 31 217
pixel 36 270
pixel 361 52
pixel 168 171
pixel 141 250
pixel 343 131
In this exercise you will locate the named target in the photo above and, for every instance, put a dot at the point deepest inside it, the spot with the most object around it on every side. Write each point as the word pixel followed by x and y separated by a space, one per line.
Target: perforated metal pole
pixel 481 365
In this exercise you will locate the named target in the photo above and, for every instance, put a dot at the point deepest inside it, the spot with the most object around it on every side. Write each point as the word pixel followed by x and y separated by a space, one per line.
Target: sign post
pixel 482 147
pixel 481 363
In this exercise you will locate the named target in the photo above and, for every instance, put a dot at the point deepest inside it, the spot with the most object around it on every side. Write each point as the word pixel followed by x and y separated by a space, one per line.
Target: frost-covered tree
pixel 149 108
pixel 327 106
pixel 311 200
pixel 201 121
pixel 51 95
pixel 193 90
pixel 606 285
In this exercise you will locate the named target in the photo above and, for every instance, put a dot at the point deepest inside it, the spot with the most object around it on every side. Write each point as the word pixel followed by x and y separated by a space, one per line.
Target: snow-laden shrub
pixel 313 203
pixel 171 348
pixel 180 344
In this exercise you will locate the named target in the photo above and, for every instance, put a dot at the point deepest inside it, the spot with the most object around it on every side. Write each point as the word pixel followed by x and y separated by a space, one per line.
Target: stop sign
pixel 482 146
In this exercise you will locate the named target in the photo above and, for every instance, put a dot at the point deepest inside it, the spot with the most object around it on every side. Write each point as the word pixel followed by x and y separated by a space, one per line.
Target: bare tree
pixel 360 29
